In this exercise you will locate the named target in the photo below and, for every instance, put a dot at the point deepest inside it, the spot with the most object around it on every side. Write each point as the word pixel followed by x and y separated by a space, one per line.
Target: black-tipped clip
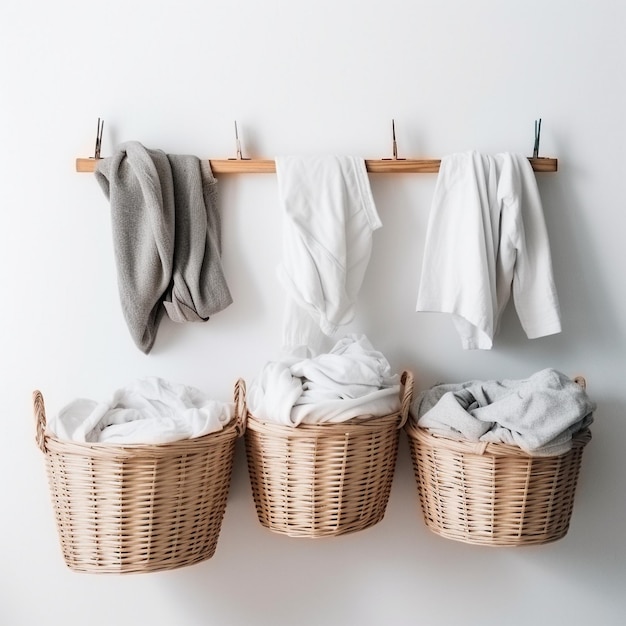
pixel 537 137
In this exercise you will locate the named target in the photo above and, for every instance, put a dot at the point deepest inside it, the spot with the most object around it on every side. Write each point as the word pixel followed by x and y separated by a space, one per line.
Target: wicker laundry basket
pixel 322 480
pixel 494 494
pixel 139 508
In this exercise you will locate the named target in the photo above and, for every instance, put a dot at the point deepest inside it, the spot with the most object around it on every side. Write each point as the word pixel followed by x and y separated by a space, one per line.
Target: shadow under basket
pixel 324 480
pixel 494 494
pixel 138 508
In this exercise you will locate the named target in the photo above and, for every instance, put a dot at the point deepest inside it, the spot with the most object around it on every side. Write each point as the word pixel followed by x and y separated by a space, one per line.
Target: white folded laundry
pixel 149 411
pixel 352 380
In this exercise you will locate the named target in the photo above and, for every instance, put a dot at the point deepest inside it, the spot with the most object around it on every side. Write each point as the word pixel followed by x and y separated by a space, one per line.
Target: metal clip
pixel 96 154
pixel 394 144
pixel 239 156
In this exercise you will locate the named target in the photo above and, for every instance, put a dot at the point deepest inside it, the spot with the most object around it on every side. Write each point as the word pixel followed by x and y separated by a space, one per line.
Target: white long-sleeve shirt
pixel 487 239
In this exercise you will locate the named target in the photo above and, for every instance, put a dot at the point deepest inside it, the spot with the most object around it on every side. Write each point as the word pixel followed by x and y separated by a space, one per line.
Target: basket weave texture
pixel 322 480
pixel 138 508
pixel 494 494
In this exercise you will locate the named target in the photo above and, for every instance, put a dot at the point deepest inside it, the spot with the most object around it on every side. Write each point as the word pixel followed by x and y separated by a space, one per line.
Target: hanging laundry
pixel 487 239
pixel 148 411
pixel 329 216
pixel 166 237
pixel 539 414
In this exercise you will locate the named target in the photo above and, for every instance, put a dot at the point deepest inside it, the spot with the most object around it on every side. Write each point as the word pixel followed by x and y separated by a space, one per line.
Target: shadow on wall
pixel 590 323
pixel 260 578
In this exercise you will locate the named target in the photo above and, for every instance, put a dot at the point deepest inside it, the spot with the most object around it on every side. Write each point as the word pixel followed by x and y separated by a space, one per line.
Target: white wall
pixel 308 78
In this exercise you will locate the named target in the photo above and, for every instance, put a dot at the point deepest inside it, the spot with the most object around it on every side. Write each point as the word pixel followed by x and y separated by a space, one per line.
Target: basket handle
pixel 39 410
pixel 407 380
pixel 241 410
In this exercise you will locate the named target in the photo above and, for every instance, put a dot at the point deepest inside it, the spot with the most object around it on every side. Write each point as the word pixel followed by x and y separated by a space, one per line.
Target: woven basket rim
pixel 360 422
pixel 54 444
pixel 425 436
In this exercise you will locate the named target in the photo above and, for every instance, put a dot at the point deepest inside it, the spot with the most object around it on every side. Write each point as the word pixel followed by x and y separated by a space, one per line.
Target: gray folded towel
pixel 539 414
pixel 198 288
pixel 166 236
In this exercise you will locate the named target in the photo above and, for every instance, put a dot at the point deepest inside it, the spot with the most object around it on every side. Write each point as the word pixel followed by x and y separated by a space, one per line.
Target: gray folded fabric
pixel 166 237
pixel 198 288
pixel 539 414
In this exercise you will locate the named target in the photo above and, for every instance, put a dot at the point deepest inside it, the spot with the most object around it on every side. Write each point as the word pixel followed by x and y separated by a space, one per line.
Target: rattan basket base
pixel 323 480
pixel 494 495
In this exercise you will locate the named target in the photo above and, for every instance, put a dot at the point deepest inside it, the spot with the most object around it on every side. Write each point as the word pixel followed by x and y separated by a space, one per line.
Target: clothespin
pixel 96 154
pixel 239 156
pixel 537 137
pixel 394 144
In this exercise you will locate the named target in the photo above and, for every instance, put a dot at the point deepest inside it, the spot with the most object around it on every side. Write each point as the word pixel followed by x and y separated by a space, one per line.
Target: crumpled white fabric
pixel 148 411
pixel 351 380
pixel 539 414
pixel 329 217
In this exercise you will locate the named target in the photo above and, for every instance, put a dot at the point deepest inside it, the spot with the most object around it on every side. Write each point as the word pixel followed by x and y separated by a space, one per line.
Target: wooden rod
pixel 374 166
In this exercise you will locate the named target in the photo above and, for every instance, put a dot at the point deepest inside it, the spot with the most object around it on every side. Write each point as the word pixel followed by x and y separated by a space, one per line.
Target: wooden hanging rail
pixel 374 166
